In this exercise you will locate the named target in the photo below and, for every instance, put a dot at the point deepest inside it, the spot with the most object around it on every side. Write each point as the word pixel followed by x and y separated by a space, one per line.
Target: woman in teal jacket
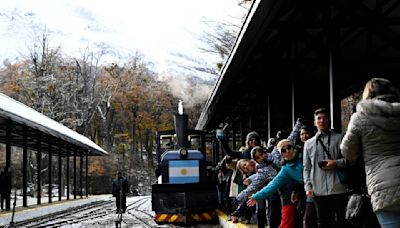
pixel 292 169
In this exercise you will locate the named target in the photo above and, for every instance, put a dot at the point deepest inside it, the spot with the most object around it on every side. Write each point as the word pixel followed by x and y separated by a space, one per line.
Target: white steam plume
pixel 188 90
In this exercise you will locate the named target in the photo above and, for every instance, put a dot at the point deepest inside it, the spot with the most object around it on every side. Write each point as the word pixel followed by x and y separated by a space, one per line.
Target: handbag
pixel 359 209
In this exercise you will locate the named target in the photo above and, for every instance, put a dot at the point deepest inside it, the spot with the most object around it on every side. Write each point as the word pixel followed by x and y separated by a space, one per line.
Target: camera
pixel 322 163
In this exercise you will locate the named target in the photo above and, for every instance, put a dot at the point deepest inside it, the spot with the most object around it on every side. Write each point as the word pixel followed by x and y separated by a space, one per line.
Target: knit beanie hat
pixel 253 135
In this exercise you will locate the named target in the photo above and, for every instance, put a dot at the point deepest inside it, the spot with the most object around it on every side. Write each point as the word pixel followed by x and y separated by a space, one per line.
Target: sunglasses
pixel 284 150
pixel 252 139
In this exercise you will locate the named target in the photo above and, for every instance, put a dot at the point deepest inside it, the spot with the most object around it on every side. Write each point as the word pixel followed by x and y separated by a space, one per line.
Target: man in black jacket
pixel 119 190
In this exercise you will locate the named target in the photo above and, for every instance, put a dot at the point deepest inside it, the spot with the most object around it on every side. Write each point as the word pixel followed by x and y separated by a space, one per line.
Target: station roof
pixel 286 44
pixel 21 119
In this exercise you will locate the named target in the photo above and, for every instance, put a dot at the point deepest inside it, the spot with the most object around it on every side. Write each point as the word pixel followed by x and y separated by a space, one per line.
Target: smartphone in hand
pixel 322 163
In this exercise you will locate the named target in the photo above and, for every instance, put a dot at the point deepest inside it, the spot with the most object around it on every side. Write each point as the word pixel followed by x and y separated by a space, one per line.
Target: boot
pixel 235 219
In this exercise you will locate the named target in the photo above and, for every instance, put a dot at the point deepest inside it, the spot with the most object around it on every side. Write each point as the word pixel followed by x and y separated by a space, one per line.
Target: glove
pixel 302 119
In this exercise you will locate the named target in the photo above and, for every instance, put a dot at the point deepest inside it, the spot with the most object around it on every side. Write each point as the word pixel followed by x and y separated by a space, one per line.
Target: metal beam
pixel 87 168
pixel 38 171
pixel 81 174
pixel 8 160
pixel 8 146
pixel 60 186
pixel 74 173
pixel 67 178
pixel 50 173
pixel 24 170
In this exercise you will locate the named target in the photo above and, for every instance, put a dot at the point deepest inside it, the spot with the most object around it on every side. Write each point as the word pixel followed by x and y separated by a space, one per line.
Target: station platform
pixel 229 224
pixel 34 211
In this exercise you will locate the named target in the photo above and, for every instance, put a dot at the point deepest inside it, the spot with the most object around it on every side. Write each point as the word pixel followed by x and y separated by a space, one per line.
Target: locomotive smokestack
pixel 181 122
pixel 180 107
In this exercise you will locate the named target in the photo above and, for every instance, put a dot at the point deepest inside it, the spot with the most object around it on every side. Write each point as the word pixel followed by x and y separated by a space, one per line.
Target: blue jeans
pixel 389 219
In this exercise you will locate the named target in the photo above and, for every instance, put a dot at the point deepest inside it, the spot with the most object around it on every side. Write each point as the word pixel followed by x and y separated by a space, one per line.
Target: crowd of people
pixel 304 179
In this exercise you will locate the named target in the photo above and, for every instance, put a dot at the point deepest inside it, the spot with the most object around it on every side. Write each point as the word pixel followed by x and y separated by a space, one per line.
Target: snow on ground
pixel 139 213
pixel 32 212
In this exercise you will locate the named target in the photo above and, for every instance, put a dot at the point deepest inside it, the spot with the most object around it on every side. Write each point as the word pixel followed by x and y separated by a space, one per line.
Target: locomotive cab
pixel 183 166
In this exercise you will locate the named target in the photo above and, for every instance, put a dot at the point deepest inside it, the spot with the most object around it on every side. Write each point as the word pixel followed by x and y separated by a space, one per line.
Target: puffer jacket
pixel 374 131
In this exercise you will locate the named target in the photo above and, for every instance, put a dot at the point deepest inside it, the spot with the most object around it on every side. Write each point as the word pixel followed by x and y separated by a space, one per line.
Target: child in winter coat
pixel 264 172
pixel 242 208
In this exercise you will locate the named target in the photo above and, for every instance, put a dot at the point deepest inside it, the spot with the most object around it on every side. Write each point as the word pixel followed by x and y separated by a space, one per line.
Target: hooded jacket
pixel 374 133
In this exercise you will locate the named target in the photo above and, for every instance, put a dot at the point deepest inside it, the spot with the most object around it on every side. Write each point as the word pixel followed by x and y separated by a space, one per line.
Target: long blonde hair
pixel 379 87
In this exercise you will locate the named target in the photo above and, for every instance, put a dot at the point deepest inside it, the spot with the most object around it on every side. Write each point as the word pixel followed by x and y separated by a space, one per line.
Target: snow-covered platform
pixel 35 211
pixel 46 210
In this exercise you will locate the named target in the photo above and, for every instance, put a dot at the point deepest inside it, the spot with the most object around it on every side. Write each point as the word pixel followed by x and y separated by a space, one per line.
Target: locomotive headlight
pixel 183 153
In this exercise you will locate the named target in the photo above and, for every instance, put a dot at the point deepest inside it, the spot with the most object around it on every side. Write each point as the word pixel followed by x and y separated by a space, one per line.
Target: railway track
pixel 139 214
pixel 100 214
pixel 96 214
pixel 70 216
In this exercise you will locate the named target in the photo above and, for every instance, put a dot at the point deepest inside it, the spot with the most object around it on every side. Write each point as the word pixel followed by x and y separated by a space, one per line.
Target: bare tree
pixel 218 40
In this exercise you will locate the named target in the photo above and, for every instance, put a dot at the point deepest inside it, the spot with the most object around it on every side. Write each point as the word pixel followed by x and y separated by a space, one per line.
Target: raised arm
pixel 294 136
pixel 281 179
pixel 265 176
pixel 229 151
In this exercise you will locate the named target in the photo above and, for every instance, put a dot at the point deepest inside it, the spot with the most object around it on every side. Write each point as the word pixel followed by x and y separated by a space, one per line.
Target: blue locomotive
pixel 184 192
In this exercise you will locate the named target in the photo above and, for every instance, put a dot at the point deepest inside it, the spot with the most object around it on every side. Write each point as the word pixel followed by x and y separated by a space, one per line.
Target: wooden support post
pixel 74 173
pixel 24 168
pixel 81 175
pixel 60 186
pixel 8 159
pixel 67 160
pixel 87 168
pixel 50 174
pixel 39 167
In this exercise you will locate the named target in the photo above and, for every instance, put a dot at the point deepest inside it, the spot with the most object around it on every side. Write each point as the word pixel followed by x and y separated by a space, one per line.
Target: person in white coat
pixel 374 133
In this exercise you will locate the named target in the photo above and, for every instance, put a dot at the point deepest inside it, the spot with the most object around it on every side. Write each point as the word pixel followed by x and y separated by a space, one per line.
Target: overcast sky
pixel 156 28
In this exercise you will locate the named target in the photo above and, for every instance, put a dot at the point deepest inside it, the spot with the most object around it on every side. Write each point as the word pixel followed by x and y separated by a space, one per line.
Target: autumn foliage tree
pixel 119 106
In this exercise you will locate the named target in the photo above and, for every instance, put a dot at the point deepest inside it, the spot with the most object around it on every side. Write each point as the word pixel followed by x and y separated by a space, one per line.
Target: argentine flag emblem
pixel 183 171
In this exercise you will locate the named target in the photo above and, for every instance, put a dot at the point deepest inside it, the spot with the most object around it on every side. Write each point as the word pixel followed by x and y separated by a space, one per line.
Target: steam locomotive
pixel 184 192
